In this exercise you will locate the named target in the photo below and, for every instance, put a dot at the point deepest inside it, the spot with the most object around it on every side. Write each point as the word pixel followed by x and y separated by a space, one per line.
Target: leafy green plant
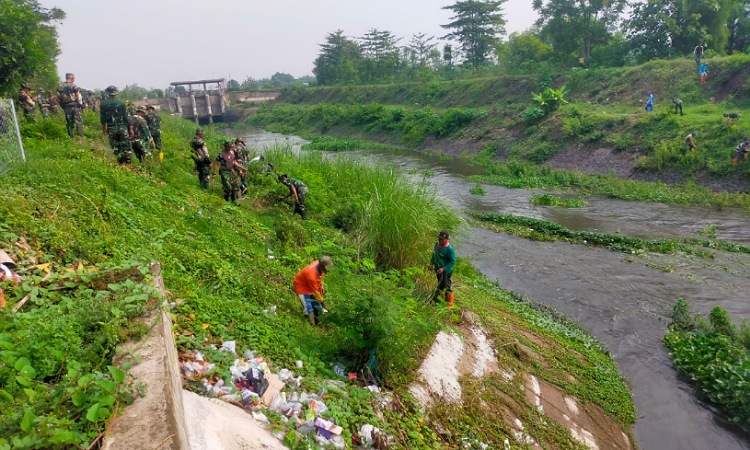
pixel 551 200
pixel 477 190
pixel 549 100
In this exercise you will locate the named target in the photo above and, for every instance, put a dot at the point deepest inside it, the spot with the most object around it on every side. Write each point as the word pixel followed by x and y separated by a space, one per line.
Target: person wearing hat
pixel 230 170
pixel 72 104
pixel 115 124
pixel 650 102
pixel 442 262
pixel 297 189
pixel 154 127
pixel 690 140
pixel 27 102
pixel 308 285
pixel 201 158
pixel 140 137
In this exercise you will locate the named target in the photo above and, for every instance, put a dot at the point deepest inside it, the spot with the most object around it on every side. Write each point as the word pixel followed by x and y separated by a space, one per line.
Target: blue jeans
pixel 309 303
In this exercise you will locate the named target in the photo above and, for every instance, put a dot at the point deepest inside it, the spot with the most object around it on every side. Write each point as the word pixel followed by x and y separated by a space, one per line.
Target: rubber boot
pixel 449 299
pixel 735 161
pixel 311 318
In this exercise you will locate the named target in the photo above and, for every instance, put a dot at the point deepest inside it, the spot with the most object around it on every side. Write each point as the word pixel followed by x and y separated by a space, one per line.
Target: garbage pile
pixel 256 389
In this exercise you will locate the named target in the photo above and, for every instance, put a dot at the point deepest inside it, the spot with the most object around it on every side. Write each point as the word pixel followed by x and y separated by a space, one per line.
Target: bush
pixel 533 115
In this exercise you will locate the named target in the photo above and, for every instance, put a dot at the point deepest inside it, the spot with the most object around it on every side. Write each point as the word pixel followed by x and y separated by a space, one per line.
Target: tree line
pixel 589 33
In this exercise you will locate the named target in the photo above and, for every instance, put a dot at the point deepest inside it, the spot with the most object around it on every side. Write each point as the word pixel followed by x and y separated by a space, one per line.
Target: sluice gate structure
pixel 206 105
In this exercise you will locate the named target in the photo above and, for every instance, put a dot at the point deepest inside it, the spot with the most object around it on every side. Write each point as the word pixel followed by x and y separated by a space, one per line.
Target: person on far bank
pixel 308 285
pixel 298 190
pixel 741 151
pixel 442 262
pixel 698 53
pixel 677 105
pixel 650 102
pixel 690 141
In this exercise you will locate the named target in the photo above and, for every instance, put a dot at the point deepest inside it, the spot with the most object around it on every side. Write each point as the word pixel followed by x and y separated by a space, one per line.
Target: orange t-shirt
pixel 309 281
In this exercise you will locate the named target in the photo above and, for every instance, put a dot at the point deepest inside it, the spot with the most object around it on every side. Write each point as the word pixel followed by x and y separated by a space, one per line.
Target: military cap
pixel 199 130
pixel 140 109
pixel 150 107
pixel 111 90
pixel 25 86
pixel 228 144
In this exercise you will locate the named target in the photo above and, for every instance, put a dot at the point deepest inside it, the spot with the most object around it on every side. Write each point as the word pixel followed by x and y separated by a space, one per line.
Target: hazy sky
pixel 155 42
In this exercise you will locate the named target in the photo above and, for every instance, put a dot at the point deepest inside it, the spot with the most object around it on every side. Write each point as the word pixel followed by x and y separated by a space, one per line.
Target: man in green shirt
pixel 442 262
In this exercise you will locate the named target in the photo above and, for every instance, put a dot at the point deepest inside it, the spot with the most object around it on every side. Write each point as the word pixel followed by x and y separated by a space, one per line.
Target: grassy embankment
pixel 484 118
pixel 71 207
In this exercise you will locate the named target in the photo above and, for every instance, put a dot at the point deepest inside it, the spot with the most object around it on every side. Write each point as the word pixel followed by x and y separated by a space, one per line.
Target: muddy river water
pixel 623 300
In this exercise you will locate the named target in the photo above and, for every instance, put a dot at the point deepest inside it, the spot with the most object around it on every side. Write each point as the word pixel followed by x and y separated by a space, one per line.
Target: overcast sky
pixel 155 42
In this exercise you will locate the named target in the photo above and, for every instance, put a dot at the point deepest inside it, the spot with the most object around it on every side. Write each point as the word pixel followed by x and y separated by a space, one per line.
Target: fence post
pixel 18 129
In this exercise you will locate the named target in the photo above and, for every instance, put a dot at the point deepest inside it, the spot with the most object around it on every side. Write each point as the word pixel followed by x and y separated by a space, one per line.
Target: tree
pixel 525 51
pixel 659 28
pixel 338 61
pixel 133 92
pixel 476 25
pixel 233 85
pixel 279 80
pixel 420 47
pixel 28 44
pixel 576 26
pixel 381 56
pixel 739 27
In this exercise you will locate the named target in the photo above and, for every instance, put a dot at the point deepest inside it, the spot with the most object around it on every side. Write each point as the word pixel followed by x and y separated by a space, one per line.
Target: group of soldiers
pixel 69 97
pixel 234 164
pixel 130 131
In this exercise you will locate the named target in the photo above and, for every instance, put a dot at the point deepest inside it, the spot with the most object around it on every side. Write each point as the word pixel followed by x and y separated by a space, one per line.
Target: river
pixel 623 300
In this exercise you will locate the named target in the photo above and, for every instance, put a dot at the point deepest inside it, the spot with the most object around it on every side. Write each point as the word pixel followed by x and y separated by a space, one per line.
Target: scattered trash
pixel 229 346
pixel 326 428
pixel 299 364
pixel 374 389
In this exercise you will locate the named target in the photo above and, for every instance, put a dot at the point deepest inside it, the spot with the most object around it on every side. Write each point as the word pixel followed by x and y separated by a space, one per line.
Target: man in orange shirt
pixel 308 285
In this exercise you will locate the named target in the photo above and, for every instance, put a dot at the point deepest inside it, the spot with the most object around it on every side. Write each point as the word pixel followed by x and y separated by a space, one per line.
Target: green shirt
pixel 444 257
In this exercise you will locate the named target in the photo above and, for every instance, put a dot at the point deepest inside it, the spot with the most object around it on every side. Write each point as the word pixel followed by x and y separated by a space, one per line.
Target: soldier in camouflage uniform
pixel 243 157
pixel 72 103
pixel 92 102
pixel 298 190
pixel 114 120
pixel 201 158
pixel 230 170
pixel 54 103
pixel 140 137
pixel 27 102
pixel 44 105
pixel 154 125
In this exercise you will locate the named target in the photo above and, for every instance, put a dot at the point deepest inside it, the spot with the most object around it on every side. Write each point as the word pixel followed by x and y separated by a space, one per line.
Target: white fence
pixel 11 145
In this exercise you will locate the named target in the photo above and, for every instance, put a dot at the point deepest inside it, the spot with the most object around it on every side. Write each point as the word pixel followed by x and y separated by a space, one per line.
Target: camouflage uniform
pixel 44 105
pixel 114 118
pixel 202 160
pixel 54 104
pixel 230 174
pixel 71 102
pixel 154 127
pixel 243 157
pixel 301 188
pixel 26 102
pixel 140 136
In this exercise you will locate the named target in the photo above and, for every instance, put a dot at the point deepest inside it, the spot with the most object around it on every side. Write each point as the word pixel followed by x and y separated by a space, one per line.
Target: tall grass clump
pixel 395 219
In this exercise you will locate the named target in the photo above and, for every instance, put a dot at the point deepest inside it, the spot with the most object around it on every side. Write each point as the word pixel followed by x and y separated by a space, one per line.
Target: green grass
pixel 549 231
pixel 551 200
pixel 72 203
